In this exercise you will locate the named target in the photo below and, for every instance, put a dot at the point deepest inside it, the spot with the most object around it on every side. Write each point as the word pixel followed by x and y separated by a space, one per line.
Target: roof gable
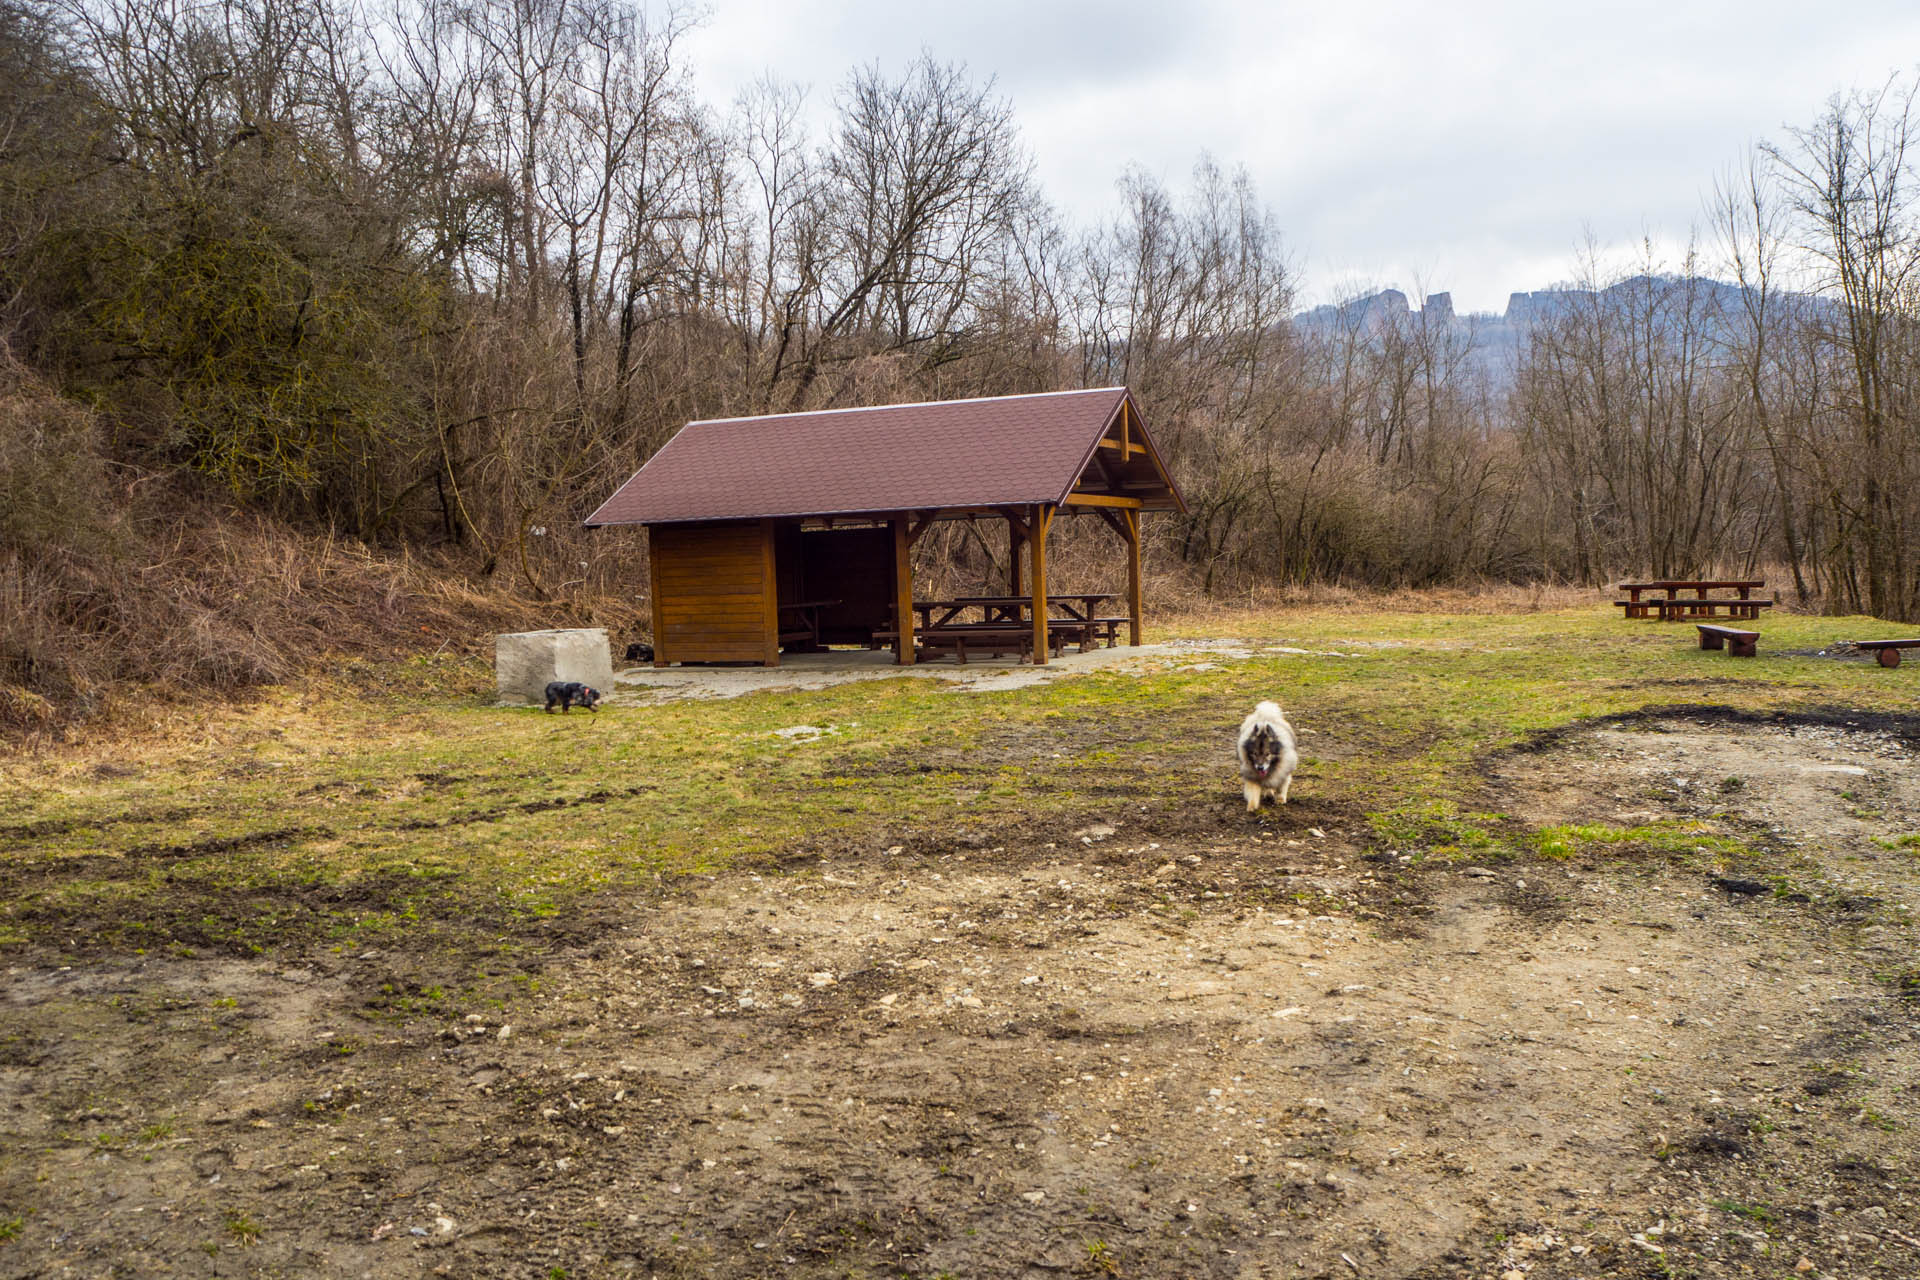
pixel 952 454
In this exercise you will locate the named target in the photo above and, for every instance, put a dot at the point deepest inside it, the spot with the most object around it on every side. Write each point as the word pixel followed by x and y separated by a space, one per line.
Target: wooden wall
pixel 714 593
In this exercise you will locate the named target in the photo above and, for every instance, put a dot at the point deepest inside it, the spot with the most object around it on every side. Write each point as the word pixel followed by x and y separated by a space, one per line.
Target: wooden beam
pixel 1115 520
pixel 770 593
pixel 1107 474
pixel 660 658
pixel 1015 522
pixel 1041 518
pixel 1100 500
pixel 1132 520
pixel 926 523
pixel 902 593
pixel 1125 448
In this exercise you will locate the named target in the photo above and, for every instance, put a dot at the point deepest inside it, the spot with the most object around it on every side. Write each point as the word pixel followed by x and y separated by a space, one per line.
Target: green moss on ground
pixel 389 801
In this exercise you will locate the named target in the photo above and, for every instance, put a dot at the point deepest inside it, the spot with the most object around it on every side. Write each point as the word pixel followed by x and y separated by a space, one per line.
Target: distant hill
pixel 1499 338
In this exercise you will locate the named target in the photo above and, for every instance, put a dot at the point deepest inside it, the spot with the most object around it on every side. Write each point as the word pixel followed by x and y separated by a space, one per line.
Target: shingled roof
pixel 943 456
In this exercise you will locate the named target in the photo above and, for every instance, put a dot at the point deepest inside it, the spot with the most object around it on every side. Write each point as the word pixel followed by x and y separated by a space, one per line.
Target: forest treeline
pixel 313 310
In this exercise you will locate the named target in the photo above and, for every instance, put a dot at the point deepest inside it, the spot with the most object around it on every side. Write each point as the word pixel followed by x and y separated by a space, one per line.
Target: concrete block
pixel 524 661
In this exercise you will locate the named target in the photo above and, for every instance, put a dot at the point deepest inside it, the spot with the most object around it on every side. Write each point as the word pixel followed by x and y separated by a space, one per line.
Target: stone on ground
pixel 524 662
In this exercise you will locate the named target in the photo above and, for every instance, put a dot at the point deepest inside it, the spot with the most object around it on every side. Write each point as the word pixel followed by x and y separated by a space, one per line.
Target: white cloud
pixel 1470 144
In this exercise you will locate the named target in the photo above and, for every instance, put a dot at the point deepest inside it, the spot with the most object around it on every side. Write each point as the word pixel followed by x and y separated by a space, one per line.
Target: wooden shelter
pixel 794 529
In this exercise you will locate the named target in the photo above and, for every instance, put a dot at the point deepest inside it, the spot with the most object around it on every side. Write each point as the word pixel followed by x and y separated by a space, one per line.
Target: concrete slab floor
pixel 842 666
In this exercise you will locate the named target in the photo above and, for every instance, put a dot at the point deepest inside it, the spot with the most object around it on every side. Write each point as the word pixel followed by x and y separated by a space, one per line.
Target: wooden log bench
pixel 1887 652
pixel 1737 643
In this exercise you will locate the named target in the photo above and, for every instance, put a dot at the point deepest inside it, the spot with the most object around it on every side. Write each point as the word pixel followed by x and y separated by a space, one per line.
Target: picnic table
pixel 1079 625
pixel 800 623
pixel 1674 605
pixel 1077 605
pixel 1004 624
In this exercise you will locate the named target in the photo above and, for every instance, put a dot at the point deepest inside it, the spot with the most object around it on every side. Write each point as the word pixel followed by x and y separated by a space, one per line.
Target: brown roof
pixel 1002 451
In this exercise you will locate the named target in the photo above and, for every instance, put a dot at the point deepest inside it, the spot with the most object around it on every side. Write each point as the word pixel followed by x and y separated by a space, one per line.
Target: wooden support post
pixel 1017 532
pixel 902 593
pixel 1132 519
pixel 1041 518
pixel 770 587
pixel 660 658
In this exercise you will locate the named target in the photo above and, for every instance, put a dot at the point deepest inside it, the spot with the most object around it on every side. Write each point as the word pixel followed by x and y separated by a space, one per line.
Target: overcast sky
pixel 1461 145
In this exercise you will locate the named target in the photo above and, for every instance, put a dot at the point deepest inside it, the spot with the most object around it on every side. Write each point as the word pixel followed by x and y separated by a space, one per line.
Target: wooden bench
pixel 1887 651
pixel 1085 633
pixel 979 638
pixel 1683 609
pixel 1688 610
pixel 1737 643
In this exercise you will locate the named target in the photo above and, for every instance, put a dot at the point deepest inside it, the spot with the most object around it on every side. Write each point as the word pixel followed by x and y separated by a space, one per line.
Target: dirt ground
pixel 1168 1043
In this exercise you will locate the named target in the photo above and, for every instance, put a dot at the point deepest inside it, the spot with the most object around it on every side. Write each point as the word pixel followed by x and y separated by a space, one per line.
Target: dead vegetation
pixel 208 606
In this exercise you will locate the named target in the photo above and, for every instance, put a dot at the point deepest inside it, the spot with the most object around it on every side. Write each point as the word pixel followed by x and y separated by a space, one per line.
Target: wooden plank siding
pixel 714 593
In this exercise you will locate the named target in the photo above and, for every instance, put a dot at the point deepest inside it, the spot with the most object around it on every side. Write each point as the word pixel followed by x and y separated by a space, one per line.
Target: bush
pixel 52 475
pixel 154 583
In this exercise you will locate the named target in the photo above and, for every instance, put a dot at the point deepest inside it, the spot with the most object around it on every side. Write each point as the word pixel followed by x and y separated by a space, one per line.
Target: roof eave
pixel 1126 399
pixel 845 513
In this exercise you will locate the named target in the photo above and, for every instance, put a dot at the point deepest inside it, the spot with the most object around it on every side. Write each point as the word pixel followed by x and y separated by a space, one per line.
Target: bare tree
pixel 1750 218
pixel 1848 179
pixel 927 178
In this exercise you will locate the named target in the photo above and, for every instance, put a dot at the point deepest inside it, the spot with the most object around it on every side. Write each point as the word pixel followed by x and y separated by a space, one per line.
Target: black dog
pixel 567 694
pixel 639 652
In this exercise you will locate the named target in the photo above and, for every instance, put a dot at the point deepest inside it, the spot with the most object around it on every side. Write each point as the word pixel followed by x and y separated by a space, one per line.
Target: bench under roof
pixel 797 528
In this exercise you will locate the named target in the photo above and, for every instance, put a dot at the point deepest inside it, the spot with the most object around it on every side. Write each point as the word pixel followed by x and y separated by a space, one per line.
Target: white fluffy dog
pixel 1267 757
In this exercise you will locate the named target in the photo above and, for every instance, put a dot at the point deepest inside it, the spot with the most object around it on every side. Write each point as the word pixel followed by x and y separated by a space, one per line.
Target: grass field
pixel 412 801
pixel 252 939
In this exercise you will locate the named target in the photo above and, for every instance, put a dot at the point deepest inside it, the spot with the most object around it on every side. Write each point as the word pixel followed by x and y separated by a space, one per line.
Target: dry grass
pixel 1177 595
pixel 119 585
pixel 190 606
pixel 1479 598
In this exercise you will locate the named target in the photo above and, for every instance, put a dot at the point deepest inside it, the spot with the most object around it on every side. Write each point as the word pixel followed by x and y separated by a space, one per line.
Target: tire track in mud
pixel 66 826
pixel 282 835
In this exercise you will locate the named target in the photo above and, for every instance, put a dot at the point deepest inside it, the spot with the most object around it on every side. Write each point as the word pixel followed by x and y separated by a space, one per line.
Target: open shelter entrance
pixel 795 531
